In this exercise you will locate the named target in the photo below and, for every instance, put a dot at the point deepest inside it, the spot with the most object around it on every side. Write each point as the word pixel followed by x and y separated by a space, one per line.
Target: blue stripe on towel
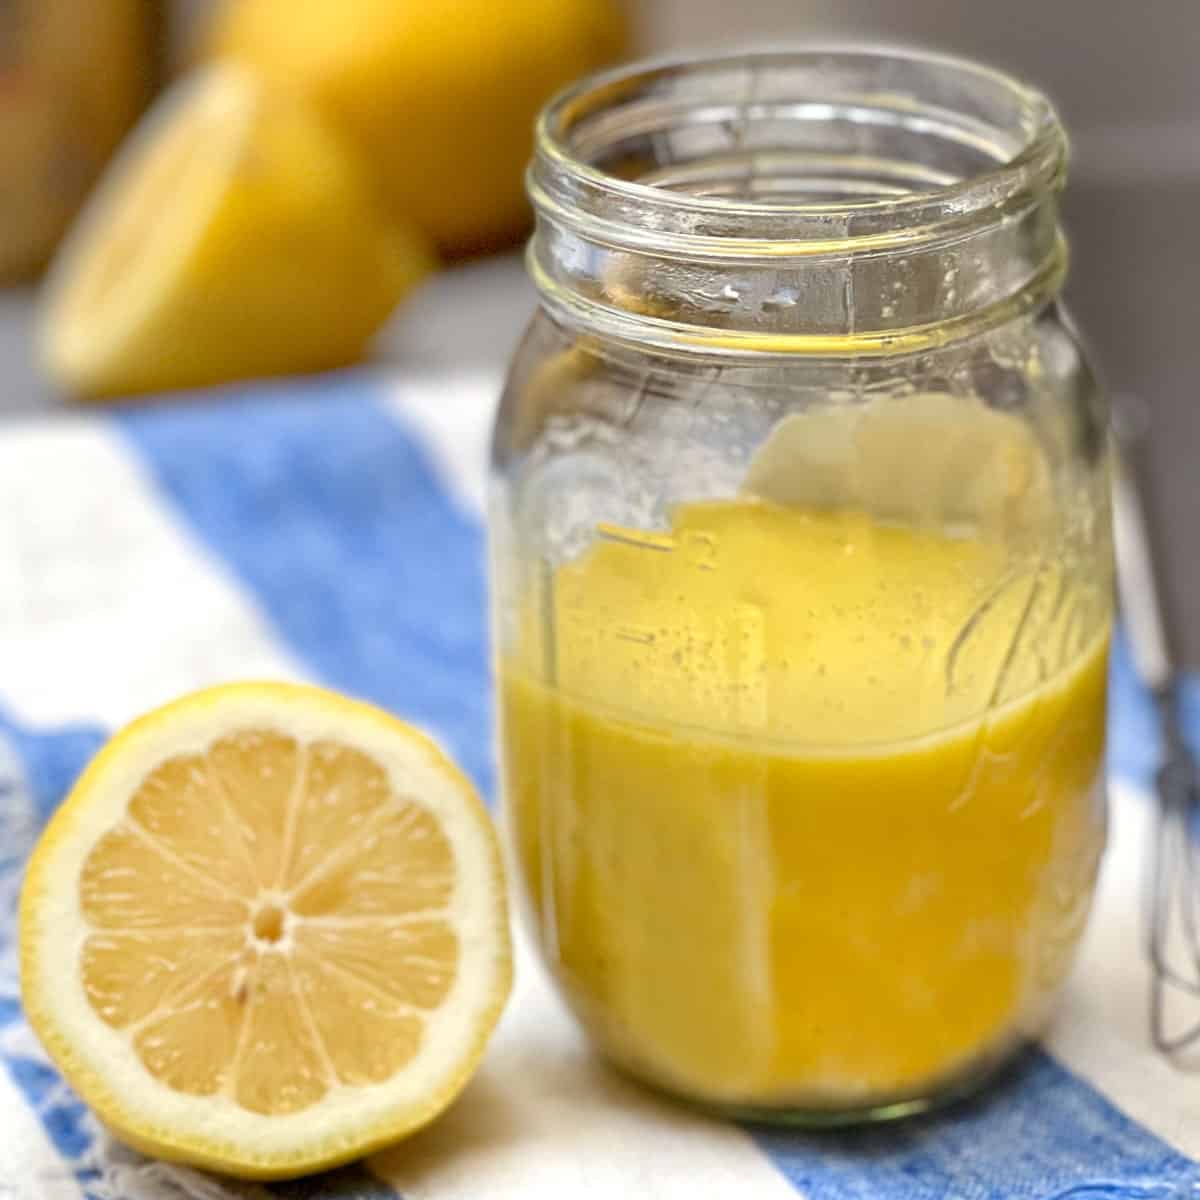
pixel 1133 735
pixel 37 769
pixel 332 515
pixel 1037 1134
pixel 66 1120
pixel 334 519
pixel 52 760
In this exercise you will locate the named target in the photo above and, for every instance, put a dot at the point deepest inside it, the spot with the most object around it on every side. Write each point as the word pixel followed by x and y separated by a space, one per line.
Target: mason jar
pixel 802 577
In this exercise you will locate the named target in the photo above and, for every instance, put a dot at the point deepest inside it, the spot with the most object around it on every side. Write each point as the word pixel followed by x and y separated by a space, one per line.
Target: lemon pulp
pixel 274 976
pixel 806 804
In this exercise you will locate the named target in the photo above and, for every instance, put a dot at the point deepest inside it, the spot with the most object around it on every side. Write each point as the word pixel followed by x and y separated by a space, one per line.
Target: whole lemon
pixel 440 96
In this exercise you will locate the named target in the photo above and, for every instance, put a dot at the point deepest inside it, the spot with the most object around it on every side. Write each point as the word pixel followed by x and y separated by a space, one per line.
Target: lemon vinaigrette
pixel 776 858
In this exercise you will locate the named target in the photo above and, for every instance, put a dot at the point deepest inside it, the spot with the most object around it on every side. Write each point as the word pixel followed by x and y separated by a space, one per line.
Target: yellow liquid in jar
pixel 808 810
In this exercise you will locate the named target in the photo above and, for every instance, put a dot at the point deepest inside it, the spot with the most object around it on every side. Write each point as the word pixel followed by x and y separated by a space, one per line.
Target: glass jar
pixel 802 577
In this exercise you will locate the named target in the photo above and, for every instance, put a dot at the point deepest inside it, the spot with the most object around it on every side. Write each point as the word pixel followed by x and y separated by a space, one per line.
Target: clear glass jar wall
pixel 801 576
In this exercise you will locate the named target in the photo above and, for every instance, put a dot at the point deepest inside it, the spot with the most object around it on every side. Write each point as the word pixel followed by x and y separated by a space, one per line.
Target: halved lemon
pixel 267 931
pixel 439 96
pixel 234 236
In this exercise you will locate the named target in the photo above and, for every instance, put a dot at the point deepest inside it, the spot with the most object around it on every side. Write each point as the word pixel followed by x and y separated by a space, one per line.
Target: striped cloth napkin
pixel 333 531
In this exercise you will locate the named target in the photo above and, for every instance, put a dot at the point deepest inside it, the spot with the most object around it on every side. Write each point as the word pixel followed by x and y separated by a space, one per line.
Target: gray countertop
pixel 21 389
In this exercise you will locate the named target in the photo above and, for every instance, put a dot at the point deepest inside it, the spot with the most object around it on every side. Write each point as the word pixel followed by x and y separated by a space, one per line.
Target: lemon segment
pixel 233 237
pixel 267 932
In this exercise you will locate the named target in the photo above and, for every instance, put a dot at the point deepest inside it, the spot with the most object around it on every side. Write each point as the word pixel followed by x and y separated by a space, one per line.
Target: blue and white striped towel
pixel 335 533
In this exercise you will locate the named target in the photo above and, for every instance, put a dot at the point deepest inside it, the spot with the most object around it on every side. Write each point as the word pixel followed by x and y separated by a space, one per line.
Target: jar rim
pixel 795 227
pixel 911 200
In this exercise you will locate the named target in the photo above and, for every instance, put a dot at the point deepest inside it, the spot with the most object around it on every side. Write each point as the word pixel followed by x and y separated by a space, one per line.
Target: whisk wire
pixel 1173 887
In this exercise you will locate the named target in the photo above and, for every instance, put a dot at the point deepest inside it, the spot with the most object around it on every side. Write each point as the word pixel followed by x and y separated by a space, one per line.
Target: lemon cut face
pixel 233 236
pixel 267 932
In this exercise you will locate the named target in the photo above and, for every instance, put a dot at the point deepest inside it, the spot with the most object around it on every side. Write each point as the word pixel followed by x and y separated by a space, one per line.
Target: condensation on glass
pixel 801 577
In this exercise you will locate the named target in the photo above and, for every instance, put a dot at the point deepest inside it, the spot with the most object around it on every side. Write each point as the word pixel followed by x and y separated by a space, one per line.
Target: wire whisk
pixel 1172 881
pixel 1173 891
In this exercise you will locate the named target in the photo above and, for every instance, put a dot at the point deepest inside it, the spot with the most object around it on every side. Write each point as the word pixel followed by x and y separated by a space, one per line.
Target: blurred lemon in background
pixel 233 236
pixel 440 96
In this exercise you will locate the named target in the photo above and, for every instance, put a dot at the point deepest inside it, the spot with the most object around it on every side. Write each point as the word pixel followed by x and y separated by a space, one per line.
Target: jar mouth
pixel 823 199
pixel 804 147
